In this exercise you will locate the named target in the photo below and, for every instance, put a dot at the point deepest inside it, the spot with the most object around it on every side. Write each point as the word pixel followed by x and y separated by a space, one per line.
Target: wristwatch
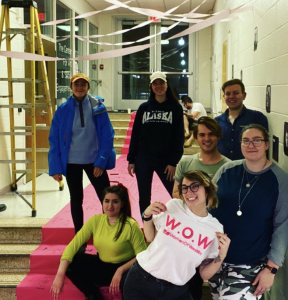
pixel 272 269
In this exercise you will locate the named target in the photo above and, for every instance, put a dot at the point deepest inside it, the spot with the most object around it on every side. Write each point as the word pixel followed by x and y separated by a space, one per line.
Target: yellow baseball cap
pixel 79 76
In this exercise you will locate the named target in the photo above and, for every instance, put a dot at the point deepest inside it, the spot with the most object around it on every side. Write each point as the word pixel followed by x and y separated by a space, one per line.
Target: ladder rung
pixel 15 133
pixel 38 171
pixel 16 31
pixel 16 161
pixel 30 150
pixel 24 193
pixel 23 80
pixel 20 3
pixel 38 127
pixel 22 105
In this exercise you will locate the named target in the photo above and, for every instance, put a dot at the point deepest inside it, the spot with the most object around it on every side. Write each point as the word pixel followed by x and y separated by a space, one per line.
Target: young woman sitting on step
pixel 117 238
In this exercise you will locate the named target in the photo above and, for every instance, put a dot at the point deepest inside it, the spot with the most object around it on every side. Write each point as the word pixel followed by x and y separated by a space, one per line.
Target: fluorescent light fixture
pixel 67 28
pixel 181 42
pixel 164 29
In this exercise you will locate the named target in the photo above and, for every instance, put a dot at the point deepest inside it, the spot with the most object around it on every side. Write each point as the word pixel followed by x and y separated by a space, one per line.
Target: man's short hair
pixel 233 82
pixel 210 123
pixel 186 99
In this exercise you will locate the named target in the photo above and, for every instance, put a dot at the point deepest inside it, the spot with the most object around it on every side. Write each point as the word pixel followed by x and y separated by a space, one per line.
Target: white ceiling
pixel 161 5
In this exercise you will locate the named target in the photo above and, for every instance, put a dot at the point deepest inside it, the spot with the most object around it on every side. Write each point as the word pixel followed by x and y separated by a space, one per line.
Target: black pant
pixel 144 168
pixel 140 285
pixel 195 285
pixel 88 273
pixel 74 179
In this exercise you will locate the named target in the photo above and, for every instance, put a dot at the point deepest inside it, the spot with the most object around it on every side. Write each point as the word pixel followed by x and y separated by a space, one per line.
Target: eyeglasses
pixel 194 187
pixel 83 84
pixel 255 143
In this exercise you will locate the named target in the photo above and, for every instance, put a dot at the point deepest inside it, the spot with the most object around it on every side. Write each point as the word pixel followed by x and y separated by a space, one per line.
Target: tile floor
pixel 49 200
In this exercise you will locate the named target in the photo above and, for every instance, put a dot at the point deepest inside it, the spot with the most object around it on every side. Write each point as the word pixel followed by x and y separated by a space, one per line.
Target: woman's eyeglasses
pixel 194 187
pixel 255 143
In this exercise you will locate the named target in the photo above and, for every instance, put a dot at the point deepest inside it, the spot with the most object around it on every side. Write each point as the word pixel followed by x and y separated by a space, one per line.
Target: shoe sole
pixel 3 208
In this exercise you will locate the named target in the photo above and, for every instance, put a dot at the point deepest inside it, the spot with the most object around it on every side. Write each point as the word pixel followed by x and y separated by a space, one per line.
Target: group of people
pixel 227 220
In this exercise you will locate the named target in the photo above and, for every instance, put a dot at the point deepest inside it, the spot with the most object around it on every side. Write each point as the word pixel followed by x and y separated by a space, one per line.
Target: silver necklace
pixel 248 184
pixel 239 212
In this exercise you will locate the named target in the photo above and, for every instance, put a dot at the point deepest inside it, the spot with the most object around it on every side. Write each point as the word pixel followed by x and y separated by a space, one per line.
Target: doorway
pixel 168 56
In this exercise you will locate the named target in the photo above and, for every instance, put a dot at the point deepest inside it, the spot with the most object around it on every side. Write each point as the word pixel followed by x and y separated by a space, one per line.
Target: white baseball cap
pixel 158 75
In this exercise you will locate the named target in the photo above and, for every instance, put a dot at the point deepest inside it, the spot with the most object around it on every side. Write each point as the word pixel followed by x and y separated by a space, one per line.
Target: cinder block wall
pixel 268 65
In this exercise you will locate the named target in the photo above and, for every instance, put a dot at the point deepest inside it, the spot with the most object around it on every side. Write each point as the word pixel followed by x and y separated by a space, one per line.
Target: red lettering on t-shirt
pixel 203 241
pixel 189 234
pixel 172 223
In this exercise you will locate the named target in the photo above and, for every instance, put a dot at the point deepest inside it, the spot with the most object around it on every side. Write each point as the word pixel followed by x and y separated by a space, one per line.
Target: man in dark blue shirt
pixel 235 118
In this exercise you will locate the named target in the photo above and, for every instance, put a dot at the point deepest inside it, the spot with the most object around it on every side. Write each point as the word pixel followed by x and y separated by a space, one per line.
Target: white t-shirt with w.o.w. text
pixel 183 241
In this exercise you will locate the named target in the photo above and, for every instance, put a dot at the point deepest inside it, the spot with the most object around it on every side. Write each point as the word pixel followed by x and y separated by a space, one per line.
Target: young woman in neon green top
pixel 117 238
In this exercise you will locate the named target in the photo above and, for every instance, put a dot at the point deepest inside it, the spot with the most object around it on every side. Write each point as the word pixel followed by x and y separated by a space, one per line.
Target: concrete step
pixel 119 116
pixel 118 148
pixel 120 130
pixel 120 139
pixel 21 231
pixel 15 258
pixel 8 284
pixel 191 150
pixel 10 280
pixel 18 239
pixel 120 123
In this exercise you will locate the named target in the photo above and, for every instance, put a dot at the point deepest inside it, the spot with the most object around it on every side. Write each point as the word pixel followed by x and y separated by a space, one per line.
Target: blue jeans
pixel 140 285
pixel 145 166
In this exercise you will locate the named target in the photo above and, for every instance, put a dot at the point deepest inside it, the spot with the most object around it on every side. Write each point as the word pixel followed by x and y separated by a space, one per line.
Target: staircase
pixel 122 125
pixel 18 239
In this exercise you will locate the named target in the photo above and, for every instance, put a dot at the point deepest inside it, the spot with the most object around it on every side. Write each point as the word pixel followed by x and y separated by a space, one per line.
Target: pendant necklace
pixel 248 184
pixel 239 212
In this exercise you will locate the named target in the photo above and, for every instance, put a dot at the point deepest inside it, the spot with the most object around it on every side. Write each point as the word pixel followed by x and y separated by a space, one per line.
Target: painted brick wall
pixel 268 65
